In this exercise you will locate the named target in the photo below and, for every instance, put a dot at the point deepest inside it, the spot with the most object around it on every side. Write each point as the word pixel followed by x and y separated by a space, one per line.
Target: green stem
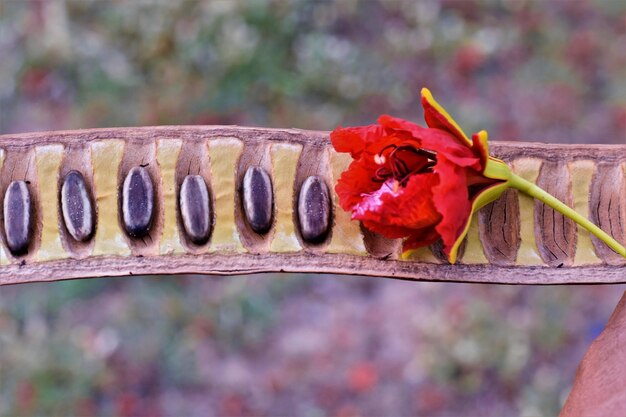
pixel 532 190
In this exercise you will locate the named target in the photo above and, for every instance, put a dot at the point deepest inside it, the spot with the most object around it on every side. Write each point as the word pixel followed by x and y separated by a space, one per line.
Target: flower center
pixel 400 162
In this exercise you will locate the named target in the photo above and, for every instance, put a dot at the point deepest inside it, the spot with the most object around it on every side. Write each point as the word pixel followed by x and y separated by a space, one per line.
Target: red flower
pixel 423 184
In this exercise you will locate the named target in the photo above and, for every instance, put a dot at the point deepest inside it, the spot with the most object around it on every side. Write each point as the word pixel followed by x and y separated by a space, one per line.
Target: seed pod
pixel 314 209
pixel 258 199
pixel 17 217
pixel 77 207
pixel 195 209
pixel 137 202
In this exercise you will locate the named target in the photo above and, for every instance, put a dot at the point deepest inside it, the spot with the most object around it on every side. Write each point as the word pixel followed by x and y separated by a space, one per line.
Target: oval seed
pixel 314 209
pixel 194 208
pixel 137 202
pixel 17 217
pixel 258 199
pixel 76 206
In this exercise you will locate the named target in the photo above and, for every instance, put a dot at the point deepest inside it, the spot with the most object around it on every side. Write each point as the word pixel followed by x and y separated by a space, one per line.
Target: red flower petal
pixel 420 237
pixel 355 139
pixel 451 198
pixel 481 148
pixel 398 190
pixel 395 209
pixel 437 118
pixel 356 181
pixel 396 123
pixel 434 139
pixel 389 231
pixel 416 204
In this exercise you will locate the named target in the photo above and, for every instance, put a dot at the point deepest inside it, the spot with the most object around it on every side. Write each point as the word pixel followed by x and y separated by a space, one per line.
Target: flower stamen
pixel 398 167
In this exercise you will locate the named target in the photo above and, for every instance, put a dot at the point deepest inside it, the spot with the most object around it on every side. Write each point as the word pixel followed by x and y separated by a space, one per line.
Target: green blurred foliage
pixel 520 68
pixel 304 345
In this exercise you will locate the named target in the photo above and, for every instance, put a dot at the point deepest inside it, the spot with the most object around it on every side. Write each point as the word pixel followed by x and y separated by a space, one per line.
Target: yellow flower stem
pixel 536 192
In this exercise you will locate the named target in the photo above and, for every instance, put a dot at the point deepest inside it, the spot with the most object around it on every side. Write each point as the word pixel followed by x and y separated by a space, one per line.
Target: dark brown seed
pixel 195 208
pixel 17 217
pixel 258 199
pixel 76 206
pixel 137 202
pixel 314 209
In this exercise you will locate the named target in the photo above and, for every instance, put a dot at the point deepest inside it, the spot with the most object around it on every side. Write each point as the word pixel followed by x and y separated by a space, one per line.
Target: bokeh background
pixel 295 344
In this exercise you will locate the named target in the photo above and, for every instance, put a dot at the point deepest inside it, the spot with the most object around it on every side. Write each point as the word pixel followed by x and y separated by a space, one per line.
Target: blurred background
pixel 304 345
